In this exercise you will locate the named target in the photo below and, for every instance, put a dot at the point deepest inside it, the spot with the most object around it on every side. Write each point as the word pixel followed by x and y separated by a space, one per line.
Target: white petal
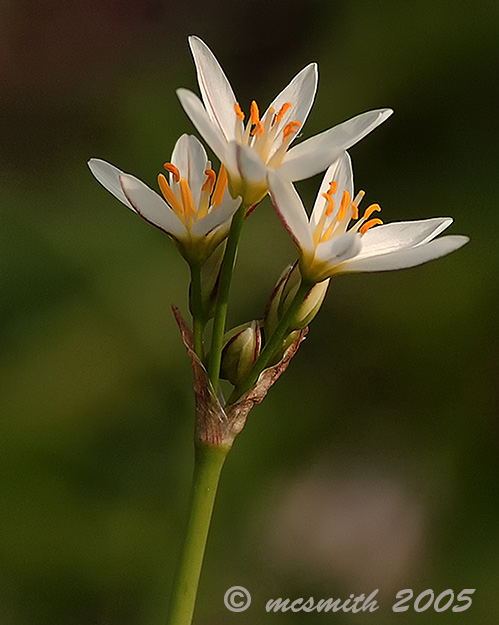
pixel 210 132
pixel 220 215
pixel 301 94
pixel 149 205
pixel 317 153
pixel 109 177
pixel 190 157
pixel 342 173
pixel 250 165
pixel 402 259
pixel 338 249
pixel 402 234
pixel 217 94
pixel 290 209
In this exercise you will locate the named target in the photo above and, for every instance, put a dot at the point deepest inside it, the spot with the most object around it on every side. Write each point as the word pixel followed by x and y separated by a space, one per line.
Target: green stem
pixel 223 296
pixel 198 320
pixel 209 461
pixel 274 344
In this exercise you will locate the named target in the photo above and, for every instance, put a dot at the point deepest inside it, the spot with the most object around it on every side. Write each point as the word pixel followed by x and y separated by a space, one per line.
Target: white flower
pixel 196 208
pixel 248 151
pixel 330 244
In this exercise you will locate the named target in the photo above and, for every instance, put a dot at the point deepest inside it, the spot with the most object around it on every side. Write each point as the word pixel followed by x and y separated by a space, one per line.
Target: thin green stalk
pixel 223 296
pixel 198 320
pixel 209 461
pixel 275 342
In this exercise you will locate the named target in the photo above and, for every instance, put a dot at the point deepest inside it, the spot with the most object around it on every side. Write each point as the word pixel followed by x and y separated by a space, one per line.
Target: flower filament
pixel 262 133
pixel 178 193
pixel 334 222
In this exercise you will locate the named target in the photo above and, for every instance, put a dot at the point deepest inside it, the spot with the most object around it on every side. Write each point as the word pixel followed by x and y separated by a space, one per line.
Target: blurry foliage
pixel 397 382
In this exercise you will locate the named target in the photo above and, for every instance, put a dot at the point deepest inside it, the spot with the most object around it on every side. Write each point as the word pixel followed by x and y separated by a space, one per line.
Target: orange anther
pixel 330 203
pixel 345 203
pixel 239 111
pixel 291 128
pixel 333 185
pixel 218 193
pixel 255 113
pixel 258 129
pixel 210 181
pixel 370 210
pixel 187 199
pixel 169 196
pixel 282 111
pixel 173 170
pixel 369 224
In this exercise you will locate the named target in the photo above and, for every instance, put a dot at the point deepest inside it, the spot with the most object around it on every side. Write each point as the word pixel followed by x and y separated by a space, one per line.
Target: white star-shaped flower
pixel 195 207
pixel 336 239
pixel 247 151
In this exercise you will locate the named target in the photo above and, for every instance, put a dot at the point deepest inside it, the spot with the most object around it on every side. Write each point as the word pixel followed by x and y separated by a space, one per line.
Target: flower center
pixel 179 195
pixel 262 134
pixel 334 221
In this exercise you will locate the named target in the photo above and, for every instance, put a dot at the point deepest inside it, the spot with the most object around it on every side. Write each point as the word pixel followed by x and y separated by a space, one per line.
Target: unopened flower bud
pixel 284 293
pixel 242 347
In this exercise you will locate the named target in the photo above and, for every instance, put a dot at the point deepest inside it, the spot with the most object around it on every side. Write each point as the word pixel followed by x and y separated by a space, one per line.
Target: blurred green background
pixel 373 461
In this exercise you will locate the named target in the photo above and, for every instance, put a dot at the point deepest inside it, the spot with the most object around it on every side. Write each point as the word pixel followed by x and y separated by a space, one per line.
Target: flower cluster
pixel 203 212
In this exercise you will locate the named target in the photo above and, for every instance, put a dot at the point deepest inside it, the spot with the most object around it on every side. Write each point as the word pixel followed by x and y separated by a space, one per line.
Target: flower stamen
pixel 221 185
pixel 169 196
pixel 290 129
pixel 239 111
pixel 369 224
pixel 187 199
pixel 254 113
pixel 173 170
pixel 282 111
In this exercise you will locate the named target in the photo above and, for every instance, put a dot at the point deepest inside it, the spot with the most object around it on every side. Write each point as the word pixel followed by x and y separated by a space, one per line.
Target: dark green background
pixel 373 462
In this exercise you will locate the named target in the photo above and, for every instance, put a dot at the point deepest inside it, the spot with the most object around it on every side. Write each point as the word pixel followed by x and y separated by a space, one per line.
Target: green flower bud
pixel 283 295
pixel 241 349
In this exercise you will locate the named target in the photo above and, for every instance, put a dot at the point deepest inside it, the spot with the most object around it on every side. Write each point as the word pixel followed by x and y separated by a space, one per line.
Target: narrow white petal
pixel 342 173
pixel 290 209
pixel 221 215
pixel 190 157
pixel 301 94
pixel 401 234
pixel 338 249
pixel 149 205
pixel 217 94
pixel 402 259
pixel 210 132
pixel 250 165
pixel 317 153
pixel 109 177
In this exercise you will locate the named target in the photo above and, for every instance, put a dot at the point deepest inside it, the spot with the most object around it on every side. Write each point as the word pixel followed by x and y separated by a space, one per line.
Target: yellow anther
pixel 169 196
pixel 345 203
pixel 255 113
pixel 218 193
pixel 370 210
pixel 239 111
pixel 330 203
pixel 173 170
pixel 187 199
pixel 210 181
pixel 291 128
pixel 369 224
pixel 282 111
